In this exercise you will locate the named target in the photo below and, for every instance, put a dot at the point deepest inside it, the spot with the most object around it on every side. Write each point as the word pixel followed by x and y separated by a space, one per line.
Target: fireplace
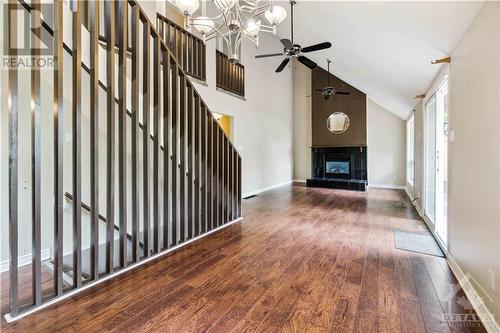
pixel 339 167
pixel 336 168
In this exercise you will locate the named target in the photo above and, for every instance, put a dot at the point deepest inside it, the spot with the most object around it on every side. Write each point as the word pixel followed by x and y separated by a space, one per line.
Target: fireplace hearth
pixel 339 167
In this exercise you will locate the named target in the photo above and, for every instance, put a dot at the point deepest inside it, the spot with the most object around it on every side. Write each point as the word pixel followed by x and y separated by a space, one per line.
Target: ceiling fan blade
pixel 307 62
pixel 317 47
pixel 342 93
pixel 282 65
pixel 268 55
pixel 327 97
pixel 287 43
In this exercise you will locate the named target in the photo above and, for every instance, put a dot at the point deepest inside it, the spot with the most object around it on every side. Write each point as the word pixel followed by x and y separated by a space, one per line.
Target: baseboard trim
pixel 69 294
pixel 387 186
pixel 487 318
pixel 247 194
pixel 409 194
pixel 299 181
pixel 24 260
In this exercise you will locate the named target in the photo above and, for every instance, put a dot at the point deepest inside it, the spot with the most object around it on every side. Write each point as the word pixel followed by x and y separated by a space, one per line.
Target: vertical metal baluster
pixel 94 138
pixel 122 127
pixel 135 22
pixel 184 50
pixel 58 147
pixel 226 179
pixel 191 54
pixel 230 183
pixel 175 138
pixel 204 62
pixel 217 68
pixel 146 132
pixel 77 151
pixel 217 171
pixel 13 161
pixel 182 155
pixel 209 177
pixel 189 169
pixel 166 148
pixel 234 183
pixel 196 177
pixel 239 186
pixel 215 158
pixel 156 143
pixel 221 173
pixel 203 167
pixel 199 49
pixel 109 19
pixel 36 264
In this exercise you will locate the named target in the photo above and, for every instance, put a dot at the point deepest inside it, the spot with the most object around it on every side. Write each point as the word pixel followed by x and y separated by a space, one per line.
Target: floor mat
pixel 417 242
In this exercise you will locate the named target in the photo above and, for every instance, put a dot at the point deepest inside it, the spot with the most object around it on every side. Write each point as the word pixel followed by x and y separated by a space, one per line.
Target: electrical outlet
pixel 491 279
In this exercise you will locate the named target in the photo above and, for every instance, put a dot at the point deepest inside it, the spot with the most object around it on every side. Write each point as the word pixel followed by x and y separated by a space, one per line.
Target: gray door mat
pixel 417 242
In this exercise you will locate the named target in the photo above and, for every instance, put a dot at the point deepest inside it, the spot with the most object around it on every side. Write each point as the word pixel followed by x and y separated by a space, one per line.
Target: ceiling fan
pixel 328 90
pixel 295 50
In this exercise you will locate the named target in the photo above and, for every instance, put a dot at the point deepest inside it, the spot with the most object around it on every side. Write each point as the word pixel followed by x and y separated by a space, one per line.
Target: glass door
pixel 430 160
pixel 436 162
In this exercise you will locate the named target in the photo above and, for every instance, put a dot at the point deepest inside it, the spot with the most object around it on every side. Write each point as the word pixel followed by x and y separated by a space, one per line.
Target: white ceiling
pixel 383 48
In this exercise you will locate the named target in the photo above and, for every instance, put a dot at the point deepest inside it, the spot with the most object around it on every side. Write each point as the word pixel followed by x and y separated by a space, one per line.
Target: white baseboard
pixel 299 181
pixel 9 318
pixel 487 318
pixel 247 194
pixel 387 186
pixel 409 194
pixel 24 260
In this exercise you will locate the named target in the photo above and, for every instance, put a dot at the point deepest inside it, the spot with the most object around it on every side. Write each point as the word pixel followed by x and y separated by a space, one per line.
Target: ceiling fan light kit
pixel 329 90
pixel 292 50
pixel 237 20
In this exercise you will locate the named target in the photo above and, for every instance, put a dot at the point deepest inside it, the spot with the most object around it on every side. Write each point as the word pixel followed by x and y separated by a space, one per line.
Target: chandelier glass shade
pixel 235 21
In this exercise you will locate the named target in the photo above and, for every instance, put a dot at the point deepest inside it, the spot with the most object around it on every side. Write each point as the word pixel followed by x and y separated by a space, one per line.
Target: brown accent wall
pixel 353 105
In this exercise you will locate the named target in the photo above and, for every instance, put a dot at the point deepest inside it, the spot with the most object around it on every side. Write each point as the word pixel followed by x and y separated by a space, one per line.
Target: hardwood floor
pixel 303 259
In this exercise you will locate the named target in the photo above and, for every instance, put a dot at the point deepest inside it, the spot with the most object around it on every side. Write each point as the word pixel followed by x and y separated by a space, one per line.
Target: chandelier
pixel 237 20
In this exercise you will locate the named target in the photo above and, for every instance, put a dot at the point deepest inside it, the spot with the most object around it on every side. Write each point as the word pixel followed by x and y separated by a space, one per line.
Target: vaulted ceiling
pixel 383 48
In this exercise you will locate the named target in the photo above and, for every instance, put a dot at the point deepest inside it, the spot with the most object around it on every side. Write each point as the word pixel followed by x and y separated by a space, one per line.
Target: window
pixel 410 150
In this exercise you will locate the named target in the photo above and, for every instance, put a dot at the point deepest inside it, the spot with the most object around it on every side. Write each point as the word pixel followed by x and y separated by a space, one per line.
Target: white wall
pixel 386 147
pixel 302 135
pixel 474 157
pixel 262 124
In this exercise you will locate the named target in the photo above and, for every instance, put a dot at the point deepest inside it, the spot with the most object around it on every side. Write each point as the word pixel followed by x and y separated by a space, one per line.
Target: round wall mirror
pixel 338 122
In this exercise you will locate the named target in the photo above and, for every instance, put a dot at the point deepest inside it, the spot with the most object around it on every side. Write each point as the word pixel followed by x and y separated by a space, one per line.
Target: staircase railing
pixel 230 76
pixel 187 48
pixel 194 182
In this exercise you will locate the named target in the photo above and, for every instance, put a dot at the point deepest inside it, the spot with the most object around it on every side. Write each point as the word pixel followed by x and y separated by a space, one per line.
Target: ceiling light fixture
pixel 237 20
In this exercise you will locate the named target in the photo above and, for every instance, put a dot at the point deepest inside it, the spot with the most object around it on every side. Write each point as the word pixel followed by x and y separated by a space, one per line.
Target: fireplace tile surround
pixel 347 168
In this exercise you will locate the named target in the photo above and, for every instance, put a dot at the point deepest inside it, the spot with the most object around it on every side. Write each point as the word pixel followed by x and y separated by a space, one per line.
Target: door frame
pixel 436 84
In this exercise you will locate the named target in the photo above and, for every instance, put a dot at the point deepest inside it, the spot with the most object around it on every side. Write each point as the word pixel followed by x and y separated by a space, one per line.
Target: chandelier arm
pixel 262 9
pixel 266 29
